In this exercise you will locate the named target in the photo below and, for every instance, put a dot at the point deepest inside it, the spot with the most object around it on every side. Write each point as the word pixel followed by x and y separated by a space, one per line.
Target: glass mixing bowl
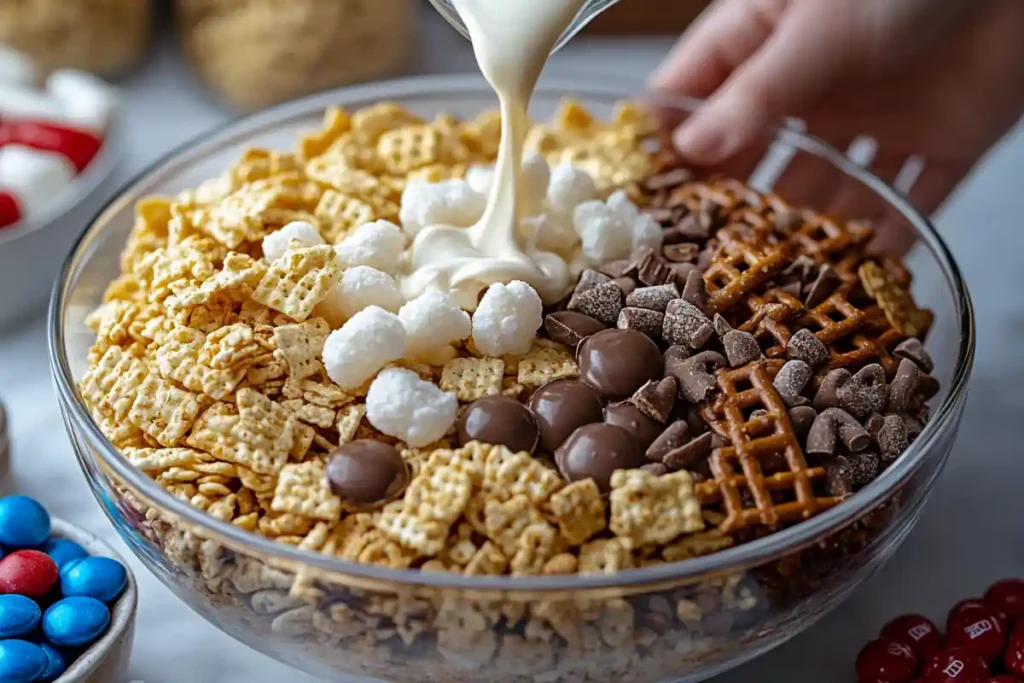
pixel 681 621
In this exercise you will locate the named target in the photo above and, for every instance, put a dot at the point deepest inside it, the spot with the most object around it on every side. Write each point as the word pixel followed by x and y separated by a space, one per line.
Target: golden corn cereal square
pixel 505 521
pixel 340 214
pixel 302 489
pixel 259 437
pixel 650 509
pixel 508 474
pixel 438 494
pixel 542 365
pixel 164 411
pixel 426 536
pixel 337 122
pixel 310 414
pixel 579 511
pixel 156 460
pixel 404 149
pixel 696 545
pixel 228 346
pixel 349 419
pixel 370 122
pixel 537 544
pixel 296 282
pixel 487 561
pixel 606 556
pixel 300 345
pixel 473 378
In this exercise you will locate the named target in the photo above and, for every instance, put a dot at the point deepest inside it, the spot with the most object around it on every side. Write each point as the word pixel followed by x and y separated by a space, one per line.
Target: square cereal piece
pixel 259 437
pixel 310 414
pixel 606 556
pixel 488 560
pixel 155 460
pixel 405 149
pixel 296 282
pixel 538 543
pixel 473 378
pixel 300 345
pixel 349 419
pixel 505 521
pixel 696 545
pixel 439 494
pixel 112 385
pixel 373 121
pixel 426 536
pixel 651 509
pixel 340 214
pixel 579 511
pixel 508 474
pixel 337 122
pixel 229 346
pixel 164 411
pixel 305 435
pixel 541 365
pixel 302 489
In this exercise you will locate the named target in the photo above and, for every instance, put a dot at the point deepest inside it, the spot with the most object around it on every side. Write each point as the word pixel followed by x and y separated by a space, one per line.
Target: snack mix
pixel 725 365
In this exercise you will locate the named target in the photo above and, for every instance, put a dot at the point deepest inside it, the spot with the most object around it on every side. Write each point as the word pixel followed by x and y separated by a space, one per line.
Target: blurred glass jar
pixel 254 53
pixel 106 37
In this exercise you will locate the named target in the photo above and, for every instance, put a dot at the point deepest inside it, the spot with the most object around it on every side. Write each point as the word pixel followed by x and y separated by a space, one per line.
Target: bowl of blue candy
pixel 67 600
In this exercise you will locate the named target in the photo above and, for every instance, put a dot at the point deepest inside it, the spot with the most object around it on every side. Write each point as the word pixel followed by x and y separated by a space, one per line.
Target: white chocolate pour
pixel 512 40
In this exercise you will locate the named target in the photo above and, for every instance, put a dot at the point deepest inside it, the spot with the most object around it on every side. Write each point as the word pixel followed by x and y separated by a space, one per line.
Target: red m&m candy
pixel 970 610
pixel 1008 597
pixel 27 572
pixel 1004 679
pixel 886 660
pixel 955 665
pixel 980 630
pixel 1013 660
pixel 916 631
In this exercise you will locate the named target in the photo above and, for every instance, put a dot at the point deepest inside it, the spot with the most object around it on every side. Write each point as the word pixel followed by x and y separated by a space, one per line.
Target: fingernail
pixel 699 143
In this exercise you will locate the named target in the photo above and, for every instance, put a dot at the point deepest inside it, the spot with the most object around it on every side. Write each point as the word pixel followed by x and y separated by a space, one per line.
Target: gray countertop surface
pixel 969 535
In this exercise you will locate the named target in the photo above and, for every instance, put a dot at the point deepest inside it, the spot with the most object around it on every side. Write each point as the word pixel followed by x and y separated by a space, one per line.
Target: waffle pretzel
pixel 769 318
pixel 739 268
pixel 749 495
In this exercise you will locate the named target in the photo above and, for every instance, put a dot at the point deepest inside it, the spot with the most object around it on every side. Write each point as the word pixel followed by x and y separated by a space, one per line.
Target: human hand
pixel 941 80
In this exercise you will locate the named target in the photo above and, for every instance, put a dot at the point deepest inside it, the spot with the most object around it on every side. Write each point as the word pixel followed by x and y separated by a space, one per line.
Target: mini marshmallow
pixel 16 68
pixel 550 231
pixel 362 287
pixel 646 232
pixel 34 177
pixel 379 245
pixel 534 178
pixel 276 243
pixel 371 339
pixel 432 322
pixel 570 186
pixel 450 202
pixel 88 101
pixel 480 178
pixel 604 234
pixel 410 409
pixel 507 319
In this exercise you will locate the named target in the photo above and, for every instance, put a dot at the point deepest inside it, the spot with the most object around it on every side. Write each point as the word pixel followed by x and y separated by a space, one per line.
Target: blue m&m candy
pixel 21 661
pixel 75 621
pixel 95 577
pixel 24 523
pixel 56 664
pixel 63 551
pixel 18 616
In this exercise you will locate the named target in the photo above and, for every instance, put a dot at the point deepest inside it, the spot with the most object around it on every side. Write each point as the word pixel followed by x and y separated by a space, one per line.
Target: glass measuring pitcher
pixel 590 10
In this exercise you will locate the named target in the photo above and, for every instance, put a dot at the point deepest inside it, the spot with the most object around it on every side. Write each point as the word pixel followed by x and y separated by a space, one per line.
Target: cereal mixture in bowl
pixel 362 479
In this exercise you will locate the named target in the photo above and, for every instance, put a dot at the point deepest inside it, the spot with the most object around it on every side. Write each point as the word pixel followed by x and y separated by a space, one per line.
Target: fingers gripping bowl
pixel 678 617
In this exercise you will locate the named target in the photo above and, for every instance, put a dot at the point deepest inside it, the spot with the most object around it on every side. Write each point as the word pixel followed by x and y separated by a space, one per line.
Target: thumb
pixel 810 48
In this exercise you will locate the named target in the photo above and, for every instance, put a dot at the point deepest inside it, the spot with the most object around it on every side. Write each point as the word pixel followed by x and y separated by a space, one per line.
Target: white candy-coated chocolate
pixel 16 68
pixel 34 177
pixel 88 102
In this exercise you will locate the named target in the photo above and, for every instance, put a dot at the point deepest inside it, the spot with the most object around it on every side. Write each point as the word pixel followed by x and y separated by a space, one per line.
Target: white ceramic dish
pixel 32 252
pixel 107 660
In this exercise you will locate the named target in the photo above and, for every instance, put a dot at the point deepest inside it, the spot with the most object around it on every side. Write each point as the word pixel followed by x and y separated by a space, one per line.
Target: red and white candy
pixel 46 136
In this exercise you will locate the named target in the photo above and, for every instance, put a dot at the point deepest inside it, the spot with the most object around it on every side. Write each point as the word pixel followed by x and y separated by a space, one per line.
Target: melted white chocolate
pixel 512 40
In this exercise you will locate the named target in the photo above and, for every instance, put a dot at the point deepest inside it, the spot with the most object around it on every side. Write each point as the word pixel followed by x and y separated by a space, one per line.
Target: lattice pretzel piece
pixel 855 336
pixel 739 268
pixel 767 437
pixel 770 317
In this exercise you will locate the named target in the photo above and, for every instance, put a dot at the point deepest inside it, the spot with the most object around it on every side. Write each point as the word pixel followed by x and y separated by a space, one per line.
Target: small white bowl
pixel 106 661
pixel 32 251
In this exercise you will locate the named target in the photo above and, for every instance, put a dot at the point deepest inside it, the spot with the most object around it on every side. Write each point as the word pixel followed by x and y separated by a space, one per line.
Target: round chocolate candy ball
pixel 367 472
pixel 499 420
pixel 562 406
pixel 643 428
pixel 595 451
pixel 618 362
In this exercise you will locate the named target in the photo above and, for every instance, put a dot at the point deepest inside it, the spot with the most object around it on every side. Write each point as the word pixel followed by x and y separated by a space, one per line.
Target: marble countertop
pixel 966 538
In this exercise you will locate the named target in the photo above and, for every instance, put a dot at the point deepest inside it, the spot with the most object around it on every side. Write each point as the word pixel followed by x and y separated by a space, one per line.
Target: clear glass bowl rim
pixel 585 87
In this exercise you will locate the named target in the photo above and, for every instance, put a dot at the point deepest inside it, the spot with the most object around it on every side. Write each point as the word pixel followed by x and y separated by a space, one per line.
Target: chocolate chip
pixel 561 407
pixel 710 214
pixel 595 452
pixel 619 268
pixel 694 420
pixel 864 467
pixel 626 284
pixel 892 438
pixel 800 270
pixel 668 180
pixel 686 324
pixel 927 387
pixel 618 362
pixel 674 436
pixel 801 418
pixel 695 290
pixel 706 256
pixel 602 302
pixel 824 284
pixel 651 270
pixel 499 420
pixel 832 423
pixel 827 395
pixel 570 327
pixel 655 468
pixel 793 289
pixel 367 472
pixel 657 398
pixel 654 298
pixel 628 416
pixel 914 350
pixel 874 423
pixel 806 347
pixel 695 374
pixel 913 423
pixel 641 320
pixel 680 252
pixel 904 385
pixel 740 348
pixel 865 392
pixel 690 454
pixel 792 379
pixel 693 228
pixel 590 279
pixel 839 477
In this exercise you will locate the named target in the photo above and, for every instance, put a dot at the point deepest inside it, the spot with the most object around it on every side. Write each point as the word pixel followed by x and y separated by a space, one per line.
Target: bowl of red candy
pixel 57 154
pixel 983 643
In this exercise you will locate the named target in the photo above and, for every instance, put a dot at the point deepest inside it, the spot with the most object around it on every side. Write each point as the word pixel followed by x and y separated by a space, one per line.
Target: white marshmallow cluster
pixel 450 202
pixel 402 405
pixel 507 319
pixel 277 243
pixel 357 351
pixel 378 245
pixel 433 321
pixel 613 229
